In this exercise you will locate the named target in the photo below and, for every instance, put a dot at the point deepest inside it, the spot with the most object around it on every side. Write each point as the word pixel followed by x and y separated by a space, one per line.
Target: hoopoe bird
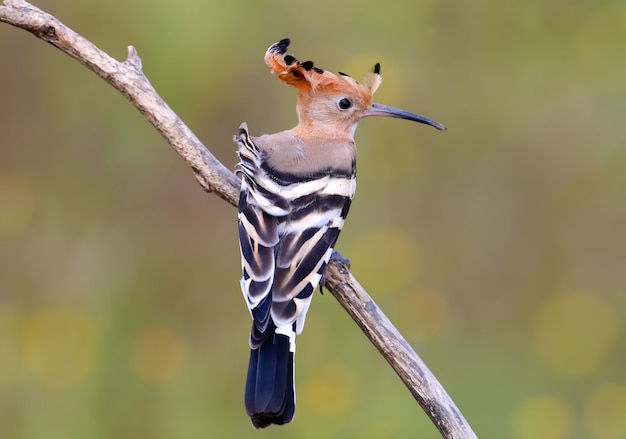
pixel 297 187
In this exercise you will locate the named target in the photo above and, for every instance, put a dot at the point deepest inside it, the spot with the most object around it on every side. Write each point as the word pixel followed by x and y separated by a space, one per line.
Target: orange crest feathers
pixel 309 79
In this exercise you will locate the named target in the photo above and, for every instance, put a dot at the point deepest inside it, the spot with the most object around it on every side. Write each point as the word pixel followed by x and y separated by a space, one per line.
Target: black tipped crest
pixel 343 74
pixel 318 70
pixel 307 65
pixel 280 46
pixel 289 60
pixel 376 68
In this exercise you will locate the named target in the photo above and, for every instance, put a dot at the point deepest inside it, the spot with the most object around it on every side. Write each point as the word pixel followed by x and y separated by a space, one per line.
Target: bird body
pixel 297 187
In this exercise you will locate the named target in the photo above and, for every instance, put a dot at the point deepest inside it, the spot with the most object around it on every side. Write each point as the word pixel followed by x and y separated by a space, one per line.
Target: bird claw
pixel 335 255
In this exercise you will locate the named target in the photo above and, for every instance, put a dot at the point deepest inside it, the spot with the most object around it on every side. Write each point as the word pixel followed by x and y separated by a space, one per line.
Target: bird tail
pixel 270 393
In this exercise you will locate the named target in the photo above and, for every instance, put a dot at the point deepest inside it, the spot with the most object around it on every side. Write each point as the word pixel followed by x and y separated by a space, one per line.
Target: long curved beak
pixel 383 110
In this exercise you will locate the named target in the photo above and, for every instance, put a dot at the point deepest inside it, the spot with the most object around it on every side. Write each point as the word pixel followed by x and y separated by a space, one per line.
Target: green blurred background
pixel 498 248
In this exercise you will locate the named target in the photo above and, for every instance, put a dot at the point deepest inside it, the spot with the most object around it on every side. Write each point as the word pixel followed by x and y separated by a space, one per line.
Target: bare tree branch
pixel 128 78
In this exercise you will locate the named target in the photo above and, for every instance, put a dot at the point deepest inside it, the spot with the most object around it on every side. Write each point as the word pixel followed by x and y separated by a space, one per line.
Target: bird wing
pixel 258 239
pixel 307 241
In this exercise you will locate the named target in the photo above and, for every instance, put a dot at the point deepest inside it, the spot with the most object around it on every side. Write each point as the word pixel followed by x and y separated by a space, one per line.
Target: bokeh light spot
pixel 157 354
pixel 605 412
pixel 329 390
pixel 17 200
pixel 386 260
pixel 573 334
pixel 424 313
pixel 59 346
pixel 9 352
pixel 542 417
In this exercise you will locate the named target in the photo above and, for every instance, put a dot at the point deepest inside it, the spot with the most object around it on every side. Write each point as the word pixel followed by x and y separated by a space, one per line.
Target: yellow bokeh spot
pixel 18 202
pixel 605 412
pixel 9 352
pixel 386 260
pixel 157 354
pixel 424 314
pixel 329 390
pixel 542 417
pixel 59 346
pixel 573 334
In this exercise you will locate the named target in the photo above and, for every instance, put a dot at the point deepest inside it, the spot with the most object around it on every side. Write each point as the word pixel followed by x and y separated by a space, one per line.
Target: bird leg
pixel 335 255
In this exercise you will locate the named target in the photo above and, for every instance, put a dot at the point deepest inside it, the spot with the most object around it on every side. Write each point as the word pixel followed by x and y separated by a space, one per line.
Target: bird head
pixel 329 104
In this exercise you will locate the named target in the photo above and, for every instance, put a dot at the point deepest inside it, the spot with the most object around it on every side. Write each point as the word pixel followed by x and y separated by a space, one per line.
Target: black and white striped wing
pixel 258 239
pixel 307 241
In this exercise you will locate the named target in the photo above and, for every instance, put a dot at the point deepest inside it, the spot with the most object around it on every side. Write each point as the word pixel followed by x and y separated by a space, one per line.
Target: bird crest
pixel 311 80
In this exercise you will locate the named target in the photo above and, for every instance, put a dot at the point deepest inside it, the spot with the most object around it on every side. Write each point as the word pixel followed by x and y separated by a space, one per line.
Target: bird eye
pixel 344 103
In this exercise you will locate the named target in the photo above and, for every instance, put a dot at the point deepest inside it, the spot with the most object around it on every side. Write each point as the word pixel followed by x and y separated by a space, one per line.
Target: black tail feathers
pixel 270 393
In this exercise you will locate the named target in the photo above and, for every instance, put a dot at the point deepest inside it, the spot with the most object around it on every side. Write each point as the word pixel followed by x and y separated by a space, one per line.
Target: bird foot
pixel 335 255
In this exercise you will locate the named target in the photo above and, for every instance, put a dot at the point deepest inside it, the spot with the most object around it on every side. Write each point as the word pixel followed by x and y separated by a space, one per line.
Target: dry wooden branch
pixel 128 78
